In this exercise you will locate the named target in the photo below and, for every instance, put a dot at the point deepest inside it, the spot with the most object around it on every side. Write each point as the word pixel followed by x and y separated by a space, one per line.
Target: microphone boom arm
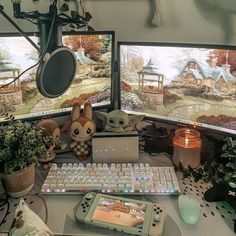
pixel 19 29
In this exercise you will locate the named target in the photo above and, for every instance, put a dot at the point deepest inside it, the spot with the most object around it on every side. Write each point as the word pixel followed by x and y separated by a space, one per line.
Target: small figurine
pixel 81 129
pixel 50 128
pixel 118 121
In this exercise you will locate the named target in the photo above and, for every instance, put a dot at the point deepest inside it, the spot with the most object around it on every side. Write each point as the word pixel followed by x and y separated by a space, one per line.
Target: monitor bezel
pixel 164 119
pixel 66 111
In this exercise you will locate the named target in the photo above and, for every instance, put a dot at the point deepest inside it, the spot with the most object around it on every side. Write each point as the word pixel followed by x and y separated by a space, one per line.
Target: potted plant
pixel 20 146
pixel 222 169
pixel 50 130
pixel 221 172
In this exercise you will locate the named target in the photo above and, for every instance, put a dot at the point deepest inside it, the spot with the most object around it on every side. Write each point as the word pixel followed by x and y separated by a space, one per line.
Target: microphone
pixel 59 67
pixel 16 8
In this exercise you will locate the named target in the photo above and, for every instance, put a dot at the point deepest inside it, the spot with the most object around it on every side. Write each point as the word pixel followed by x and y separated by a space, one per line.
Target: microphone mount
pixel 18 28
pixel 44 21
pixel 59 67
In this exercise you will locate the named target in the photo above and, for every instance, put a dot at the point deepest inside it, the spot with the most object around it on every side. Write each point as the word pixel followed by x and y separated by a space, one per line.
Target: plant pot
pixel 19 183
pixel 47 161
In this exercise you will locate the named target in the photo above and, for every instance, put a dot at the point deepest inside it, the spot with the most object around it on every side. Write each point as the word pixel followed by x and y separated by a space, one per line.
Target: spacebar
pixel 78 187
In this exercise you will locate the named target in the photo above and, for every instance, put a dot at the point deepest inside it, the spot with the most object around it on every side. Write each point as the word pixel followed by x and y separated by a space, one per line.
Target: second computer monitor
pixel 93 82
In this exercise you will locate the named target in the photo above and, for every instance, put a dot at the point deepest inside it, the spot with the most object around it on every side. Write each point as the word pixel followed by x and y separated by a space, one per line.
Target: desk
pixel 216 218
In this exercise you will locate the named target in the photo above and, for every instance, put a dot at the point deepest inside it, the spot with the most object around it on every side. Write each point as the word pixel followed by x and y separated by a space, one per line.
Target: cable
pixel 29 68
pixel 45 206
pixel 82 5
pixel 55 2
pixel 31 21
pixel 6 201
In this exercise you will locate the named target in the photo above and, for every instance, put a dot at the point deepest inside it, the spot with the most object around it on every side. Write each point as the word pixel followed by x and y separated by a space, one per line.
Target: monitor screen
pixel 93 81
pixel 179 83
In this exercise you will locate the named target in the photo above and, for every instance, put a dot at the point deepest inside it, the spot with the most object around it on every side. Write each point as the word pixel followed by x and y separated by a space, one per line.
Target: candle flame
pixel 186 141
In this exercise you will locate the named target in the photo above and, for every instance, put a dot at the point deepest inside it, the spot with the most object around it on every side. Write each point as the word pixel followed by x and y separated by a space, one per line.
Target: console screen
pixel 190 84
pixel 125 213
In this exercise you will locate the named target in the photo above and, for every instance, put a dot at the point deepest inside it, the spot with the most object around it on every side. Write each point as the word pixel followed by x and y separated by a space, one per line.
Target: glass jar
pixel 187 148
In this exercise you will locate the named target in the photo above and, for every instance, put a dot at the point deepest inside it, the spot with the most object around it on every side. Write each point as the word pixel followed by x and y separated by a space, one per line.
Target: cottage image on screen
pixel 195 83
pixel 125 213
pixel 92 82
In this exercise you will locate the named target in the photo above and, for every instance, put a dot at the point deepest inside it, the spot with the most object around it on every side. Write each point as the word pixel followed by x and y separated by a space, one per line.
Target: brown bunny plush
pixel 81 129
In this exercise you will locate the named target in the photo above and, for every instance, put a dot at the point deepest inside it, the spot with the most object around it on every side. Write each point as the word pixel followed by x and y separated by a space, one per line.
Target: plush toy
pixel 118 121
pixel 81 129
pixel 27 222
pixel 50 128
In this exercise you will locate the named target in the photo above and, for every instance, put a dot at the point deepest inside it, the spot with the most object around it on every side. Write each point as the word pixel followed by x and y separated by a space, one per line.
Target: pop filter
pixel 56 72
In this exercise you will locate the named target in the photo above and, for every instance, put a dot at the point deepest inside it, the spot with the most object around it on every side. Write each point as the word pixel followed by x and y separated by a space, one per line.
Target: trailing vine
pixel 221 170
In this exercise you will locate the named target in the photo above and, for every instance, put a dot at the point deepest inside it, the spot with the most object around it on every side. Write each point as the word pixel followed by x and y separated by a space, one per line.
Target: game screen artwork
pixel 125 213
pixel 187 83
pixel 92 81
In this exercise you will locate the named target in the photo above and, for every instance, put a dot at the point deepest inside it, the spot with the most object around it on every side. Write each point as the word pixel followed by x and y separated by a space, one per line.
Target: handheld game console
pixel 121 214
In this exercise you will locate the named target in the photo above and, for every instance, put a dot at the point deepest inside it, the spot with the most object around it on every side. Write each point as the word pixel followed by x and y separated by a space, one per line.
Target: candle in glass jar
pixel 187 148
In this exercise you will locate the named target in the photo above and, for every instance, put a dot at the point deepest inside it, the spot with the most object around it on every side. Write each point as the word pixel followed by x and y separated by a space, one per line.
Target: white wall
pixel 196 21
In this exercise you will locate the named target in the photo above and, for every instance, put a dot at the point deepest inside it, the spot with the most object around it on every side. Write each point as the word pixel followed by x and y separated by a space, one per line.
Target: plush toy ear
pixel 102 115
pixel 88 111
pixel 66 126
pixel 75 113
pixel 135 119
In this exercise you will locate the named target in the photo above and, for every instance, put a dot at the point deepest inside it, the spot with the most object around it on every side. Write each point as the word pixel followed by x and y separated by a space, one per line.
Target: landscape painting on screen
pixel 187 83
pixel 125 213
pixel 92 81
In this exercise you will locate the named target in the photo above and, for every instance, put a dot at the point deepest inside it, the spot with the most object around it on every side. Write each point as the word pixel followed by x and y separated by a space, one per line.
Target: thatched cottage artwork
pixel 214 78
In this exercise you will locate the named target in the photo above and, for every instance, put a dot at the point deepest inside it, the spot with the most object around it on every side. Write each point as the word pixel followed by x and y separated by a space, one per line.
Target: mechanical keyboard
pixel 118 178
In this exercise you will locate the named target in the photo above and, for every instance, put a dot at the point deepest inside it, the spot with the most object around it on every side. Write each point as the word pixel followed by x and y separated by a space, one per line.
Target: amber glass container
pixel 187 148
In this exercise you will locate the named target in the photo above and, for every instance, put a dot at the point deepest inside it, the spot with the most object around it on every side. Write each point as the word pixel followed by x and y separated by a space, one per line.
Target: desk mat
pixel 210 211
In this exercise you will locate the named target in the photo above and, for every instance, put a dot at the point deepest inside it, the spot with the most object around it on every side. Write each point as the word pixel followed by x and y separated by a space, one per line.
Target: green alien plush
pixel 118 121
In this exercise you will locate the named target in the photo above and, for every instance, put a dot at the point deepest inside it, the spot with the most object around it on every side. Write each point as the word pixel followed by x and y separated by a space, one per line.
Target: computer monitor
pixel 186 84
pixel 93 81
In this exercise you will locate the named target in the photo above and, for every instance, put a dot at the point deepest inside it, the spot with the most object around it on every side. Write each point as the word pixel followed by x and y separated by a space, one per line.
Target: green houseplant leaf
pixel 221 169
pixel 20 145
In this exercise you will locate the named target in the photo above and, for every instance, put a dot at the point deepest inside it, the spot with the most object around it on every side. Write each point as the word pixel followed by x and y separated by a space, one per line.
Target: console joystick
pixel 84 206
pixel 158 220
pixel 89 196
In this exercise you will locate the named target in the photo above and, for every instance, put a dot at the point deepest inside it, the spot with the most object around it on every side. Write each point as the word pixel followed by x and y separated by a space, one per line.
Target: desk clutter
pixel 216 214
pixel 119 177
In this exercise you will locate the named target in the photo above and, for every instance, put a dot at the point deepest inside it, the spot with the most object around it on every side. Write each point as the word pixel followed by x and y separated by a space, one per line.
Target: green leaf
pixel 64 7
pixel 72 26
pixel 74 14
pixel 232 184
pixel 224 147
pixel 221 168
pixel 227 177
pixel 231 165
